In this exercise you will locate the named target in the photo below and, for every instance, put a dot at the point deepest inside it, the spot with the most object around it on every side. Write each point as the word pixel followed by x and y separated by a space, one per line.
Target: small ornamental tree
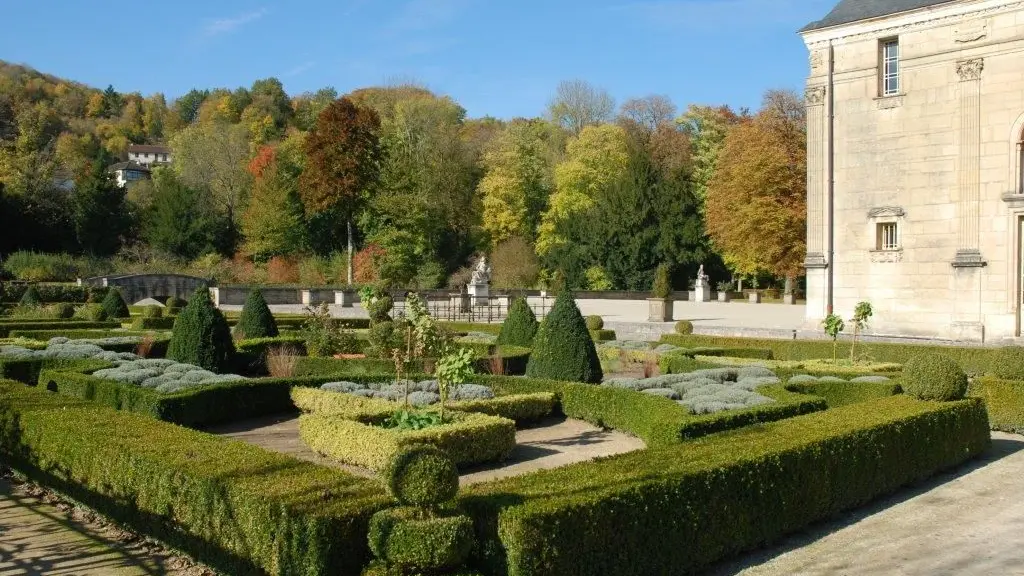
pixel 861 314
pixel 563 348
pixel 256 320
pixel 201 335
pixel 833 325
pixel 114 305
pixel 520 327
pixel 662 287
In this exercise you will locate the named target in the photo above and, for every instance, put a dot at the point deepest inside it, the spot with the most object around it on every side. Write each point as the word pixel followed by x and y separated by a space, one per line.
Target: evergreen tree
pixel 100 213
pixel 520 327
pixel 563 349
pixel 201 335
pixel 31 297
pixel 256 320
pixel 181 219
pixel 114 305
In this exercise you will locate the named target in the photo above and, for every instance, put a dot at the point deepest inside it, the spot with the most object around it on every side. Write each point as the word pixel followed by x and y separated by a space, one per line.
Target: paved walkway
pixel 965 523
pixel 37 539
pixel 552 443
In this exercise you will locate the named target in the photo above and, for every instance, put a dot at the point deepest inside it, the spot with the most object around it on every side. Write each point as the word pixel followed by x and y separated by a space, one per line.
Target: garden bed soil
pixel 551 443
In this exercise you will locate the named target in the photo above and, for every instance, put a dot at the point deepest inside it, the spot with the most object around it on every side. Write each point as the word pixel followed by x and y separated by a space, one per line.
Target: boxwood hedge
pixel 678 508
pixel 236 507
pixel 58 327
pixel 1005 402
pixel 842 393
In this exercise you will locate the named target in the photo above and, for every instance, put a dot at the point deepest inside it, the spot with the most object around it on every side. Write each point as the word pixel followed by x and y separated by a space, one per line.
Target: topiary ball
pixel 1009 363
pixel 595 323
pixel 256 320
pixel 401 537
pixel 114 304
pixel 31 297
pixel 934 377
pixel 520 327
pixel 91 313
pixel 152 311
pixel 422 475
pixel 63 310
pixel 684 327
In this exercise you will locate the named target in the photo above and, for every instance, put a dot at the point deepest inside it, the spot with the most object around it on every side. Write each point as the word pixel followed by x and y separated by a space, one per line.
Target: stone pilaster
pixel 968 252
pixel 817 177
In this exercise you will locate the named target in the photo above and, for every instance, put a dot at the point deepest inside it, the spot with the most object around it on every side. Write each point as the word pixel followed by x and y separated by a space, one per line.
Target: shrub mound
pixel 201 336
pixel 422 476
pixel 256 320
pixel 520 327
pixel 563 349
pixel 934 377
pixel 595 323
pixel 684 327
pixel 1008 363
pixel 406 541
pixel 152 311
pixel 64 310
pixel 114 305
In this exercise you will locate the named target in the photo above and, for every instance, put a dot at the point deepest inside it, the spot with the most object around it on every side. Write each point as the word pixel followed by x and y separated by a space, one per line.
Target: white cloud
pixel 227 25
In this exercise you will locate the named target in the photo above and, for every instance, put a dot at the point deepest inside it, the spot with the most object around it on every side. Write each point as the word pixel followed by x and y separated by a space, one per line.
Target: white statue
pixel 482 272
pixel 701 276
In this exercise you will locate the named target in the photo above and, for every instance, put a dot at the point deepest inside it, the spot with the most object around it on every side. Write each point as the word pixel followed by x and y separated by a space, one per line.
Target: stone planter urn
pixel 789 299
pixel 755 297
pixel 723 296
pixel 659 310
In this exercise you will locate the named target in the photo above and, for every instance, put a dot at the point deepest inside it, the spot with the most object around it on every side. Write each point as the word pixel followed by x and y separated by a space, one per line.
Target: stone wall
pixel 940 159
pixel 136 287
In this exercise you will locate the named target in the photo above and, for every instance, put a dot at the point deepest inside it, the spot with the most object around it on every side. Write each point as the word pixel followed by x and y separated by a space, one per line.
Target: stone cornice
pixel 814 95
pixel 912 20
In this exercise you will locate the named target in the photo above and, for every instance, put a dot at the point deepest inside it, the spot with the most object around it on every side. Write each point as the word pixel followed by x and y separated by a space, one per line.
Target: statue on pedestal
pixel 482 272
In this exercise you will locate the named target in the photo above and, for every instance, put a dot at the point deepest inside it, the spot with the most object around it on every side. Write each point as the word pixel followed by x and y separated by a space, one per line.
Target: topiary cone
pixel 256 320
pixel 201 336
pixel 563 348
pixel 114 305
pixel 520 327
pixel 31 297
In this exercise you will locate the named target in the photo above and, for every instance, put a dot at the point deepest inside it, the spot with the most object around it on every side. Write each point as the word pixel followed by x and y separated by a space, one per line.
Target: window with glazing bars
pixel 890 67
pixel 886 238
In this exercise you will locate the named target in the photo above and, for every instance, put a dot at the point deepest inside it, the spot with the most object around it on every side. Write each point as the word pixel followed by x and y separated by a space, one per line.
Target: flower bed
pixel 467 439
pixel 677 509
pixel 356 400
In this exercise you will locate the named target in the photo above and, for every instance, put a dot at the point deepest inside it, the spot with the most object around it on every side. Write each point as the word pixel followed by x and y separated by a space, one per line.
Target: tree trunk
pixel 351 257
pixel 789 284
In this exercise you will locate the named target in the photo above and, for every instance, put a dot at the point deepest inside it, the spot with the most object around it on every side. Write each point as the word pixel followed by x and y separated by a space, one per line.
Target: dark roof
pixel 148 149
pixel 849 11
pixel 129 165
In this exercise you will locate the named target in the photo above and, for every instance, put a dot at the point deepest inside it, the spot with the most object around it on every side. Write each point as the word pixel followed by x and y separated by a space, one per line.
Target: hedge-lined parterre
pixel 838 392
pixel 934 377
pixel 677 509
pixel 1004 400
pixel 236 507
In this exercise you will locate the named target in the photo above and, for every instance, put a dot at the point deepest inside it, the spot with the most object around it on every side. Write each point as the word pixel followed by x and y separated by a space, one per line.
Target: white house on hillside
pixel 148 155
pixel 127 172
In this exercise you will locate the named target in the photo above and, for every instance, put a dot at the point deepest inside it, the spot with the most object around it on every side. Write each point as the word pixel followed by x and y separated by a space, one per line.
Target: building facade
pixel 149 155
pixel 914 187
pixel 127 172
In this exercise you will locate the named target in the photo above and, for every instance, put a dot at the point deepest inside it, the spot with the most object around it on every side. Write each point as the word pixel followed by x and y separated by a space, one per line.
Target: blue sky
pixel 496 57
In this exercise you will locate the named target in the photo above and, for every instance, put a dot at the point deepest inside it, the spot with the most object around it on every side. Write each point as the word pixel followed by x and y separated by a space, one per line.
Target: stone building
pixel 914 185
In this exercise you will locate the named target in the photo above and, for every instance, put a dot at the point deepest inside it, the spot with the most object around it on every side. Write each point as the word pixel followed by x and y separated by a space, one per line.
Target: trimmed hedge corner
pixel 677 509
pixel 843 393
pixel 470 439
pixel 236 507
pixel 1005 402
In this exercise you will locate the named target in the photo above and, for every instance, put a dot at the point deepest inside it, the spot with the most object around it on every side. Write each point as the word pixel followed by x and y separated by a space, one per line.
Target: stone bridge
pixel 136 287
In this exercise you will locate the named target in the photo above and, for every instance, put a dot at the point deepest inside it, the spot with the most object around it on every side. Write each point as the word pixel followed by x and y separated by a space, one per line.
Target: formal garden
pixel 736 442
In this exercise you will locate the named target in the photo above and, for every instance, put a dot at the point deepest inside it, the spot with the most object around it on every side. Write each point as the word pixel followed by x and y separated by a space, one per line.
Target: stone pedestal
pixel 723 296
pixel 789 298
pixel 344 298
pixel 659 310
pixel 754 297
pixel 701 291
pixel 479 294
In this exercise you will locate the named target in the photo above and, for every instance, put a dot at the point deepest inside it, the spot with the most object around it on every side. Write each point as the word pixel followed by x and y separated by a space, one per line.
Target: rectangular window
pixel 890 67
pixel 886 237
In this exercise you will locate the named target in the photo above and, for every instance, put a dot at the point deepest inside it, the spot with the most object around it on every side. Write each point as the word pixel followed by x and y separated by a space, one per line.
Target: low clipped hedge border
pixel 162 323
pixel 51 293
pixel 843 393
pixel 28 371
pixel 655 420
pixel 1005 402
pixel 602 335
pixel 251 354
pixel 236 507
pixel 974 360
pixel 15 329
pixel 677 509
pixel 520 408
pixel 470 439
pixel 513 359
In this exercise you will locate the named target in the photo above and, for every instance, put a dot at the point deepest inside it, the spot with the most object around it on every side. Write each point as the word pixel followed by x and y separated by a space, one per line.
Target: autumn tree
pixel 756 201
pixel 706 126
pixel 273 222
pixel 578 104
pixel 518 179
pixel 343 162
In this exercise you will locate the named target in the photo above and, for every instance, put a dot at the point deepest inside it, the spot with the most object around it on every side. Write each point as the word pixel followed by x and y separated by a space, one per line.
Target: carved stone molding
pixel 970 69
pixel 971 32
pixel 887 212
pixel 968 259
pixel 924 23
pixel 816 60
pixel 888 102
pixel 815 260
pixel 815 95
pixel 886 256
